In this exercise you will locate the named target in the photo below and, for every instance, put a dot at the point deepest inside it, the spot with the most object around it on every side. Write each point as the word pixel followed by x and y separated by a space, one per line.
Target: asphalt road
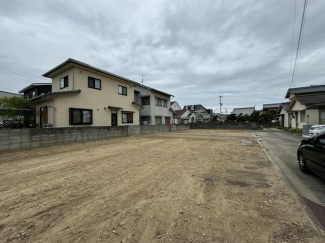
pixel 282 147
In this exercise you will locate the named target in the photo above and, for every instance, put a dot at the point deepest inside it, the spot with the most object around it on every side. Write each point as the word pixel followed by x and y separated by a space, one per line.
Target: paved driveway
pixel 283 146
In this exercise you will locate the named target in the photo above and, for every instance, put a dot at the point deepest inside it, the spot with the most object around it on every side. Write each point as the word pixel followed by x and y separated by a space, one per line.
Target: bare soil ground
pixel 219 132
pixel 154 188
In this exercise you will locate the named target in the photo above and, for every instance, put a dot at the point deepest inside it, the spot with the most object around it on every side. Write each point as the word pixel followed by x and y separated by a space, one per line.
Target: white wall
pixel 152 110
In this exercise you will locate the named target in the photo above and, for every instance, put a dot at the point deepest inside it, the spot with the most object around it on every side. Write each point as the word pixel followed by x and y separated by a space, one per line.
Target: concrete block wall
pixel 133 130
pixel 149 129
pixel 11 139
pixel 182 127
pixel 224 125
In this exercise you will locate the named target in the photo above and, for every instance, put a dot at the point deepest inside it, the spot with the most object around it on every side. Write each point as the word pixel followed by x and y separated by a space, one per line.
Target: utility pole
pixel 142 78
pixel 220 102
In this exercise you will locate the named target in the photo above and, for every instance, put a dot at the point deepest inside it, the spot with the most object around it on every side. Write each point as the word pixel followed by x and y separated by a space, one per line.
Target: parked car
pixel 316 129
pixel 311 155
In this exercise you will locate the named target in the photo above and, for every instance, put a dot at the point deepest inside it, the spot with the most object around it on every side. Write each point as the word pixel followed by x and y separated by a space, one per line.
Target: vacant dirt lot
pixel 219 132
pixel 156 188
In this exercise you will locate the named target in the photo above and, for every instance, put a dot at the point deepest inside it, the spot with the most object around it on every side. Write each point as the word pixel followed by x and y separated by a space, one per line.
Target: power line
pixel 9 85
pixel 17 73
pixel 299 41
pixel 293 35
pixel 7 89
pixel 21 71
pixel 302 39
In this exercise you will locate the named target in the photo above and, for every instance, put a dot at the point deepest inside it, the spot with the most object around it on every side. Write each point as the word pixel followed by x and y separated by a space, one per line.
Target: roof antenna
pixel 142 77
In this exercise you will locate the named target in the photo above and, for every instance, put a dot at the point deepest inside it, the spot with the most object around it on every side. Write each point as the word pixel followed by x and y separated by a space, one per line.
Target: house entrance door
pixel 43 116
pixel 114 118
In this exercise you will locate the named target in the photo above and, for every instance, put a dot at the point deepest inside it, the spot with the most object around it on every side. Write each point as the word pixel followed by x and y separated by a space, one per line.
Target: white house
pixel 201 113
pixel 155 106
pixel 306 106
pixel 175 106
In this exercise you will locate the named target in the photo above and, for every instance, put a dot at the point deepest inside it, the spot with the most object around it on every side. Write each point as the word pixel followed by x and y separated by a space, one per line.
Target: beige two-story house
pixel 83 95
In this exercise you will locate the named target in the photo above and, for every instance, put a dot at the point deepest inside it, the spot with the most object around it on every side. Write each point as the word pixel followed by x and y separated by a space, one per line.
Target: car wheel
pixel 302 164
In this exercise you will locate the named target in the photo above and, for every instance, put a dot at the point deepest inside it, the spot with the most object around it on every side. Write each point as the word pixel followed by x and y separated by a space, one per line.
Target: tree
pixel 255 116
pixel 269 115
pixel 231 118
pixel 12 108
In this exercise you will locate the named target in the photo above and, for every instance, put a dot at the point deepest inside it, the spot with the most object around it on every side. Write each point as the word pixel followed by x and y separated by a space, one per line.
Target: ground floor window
pixel 158 120
pixel 145 120
pixel 80 116
pixel 127 117
pixel 302 116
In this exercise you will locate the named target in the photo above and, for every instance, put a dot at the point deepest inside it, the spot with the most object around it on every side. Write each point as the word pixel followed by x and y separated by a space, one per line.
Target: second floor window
pixel 161 102
pixel 122 90
pixel 145 100
pixel 64 82
pixel 94 83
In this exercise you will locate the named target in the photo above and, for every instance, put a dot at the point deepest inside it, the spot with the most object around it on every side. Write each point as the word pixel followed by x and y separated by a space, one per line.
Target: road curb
pixel 312 218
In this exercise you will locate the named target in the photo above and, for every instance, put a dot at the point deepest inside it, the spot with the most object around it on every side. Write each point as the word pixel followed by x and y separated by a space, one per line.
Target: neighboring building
pixel 36 89
pixel 202 114
pixel 175 106
pixel 181 116
pixel 155 106
pixel 284 115
pixel 8 94
pixel 192 117
pixel 83 95
pixel 243 111
pixel 306 106
pixel 268 107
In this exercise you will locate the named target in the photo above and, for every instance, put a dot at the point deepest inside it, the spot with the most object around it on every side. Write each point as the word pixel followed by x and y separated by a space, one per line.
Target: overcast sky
pixel 195 50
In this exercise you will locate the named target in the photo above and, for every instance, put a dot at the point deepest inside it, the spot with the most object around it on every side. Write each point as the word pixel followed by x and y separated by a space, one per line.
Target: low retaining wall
pixel 36 137
pixel 148 129
pixel 11 139
pixel 224 125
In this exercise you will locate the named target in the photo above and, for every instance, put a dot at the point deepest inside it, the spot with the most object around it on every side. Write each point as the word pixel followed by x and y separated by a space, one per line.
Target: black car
pixel 311 155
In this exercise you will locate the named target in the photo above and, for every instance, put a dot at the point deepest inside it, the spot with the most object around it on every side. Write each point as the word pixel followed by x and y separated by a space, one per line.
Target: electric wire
pixel 17 73
pixel 302 39
pixel 299 42
pixel 293 35
pixel 21 71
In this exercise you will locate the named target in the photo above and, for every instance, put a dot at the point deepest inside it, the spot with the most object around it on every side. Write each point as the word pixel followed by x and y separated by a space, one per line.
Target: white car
pixel 316 129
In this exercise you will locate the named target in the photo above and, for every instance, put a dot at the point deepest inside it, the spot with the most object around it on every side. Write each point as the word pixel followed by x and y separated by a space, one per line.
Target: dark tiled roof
pixel 85 65
pixel 270 106
pixel 196 107
pixel 180 112
pixel 285 106
pixel 305 90
pixel 78 91
pixel 34 85
pixel 311 99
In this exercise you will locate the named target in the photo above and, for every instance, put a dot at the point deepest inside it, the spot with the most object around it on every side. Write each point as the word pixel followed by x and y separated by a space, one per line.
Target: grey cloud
pixel 196 50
